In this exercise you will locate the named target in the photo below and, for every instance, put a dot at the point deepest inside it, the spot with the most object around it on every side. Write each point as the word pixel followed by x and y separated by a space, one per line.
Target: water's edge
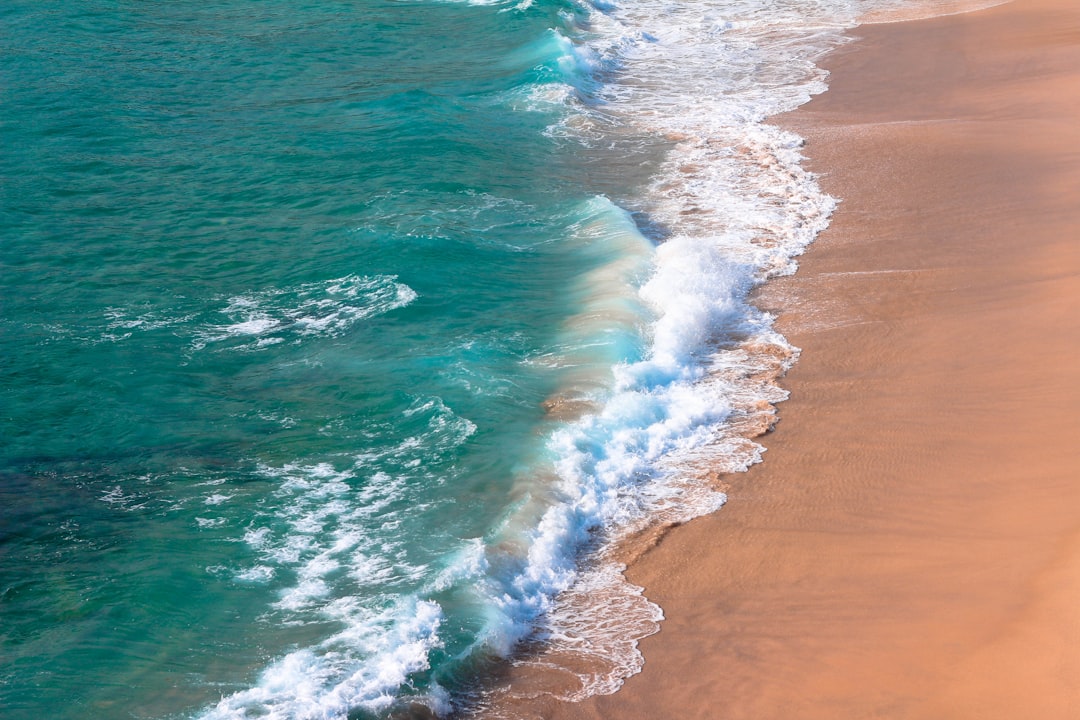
pixel 734 184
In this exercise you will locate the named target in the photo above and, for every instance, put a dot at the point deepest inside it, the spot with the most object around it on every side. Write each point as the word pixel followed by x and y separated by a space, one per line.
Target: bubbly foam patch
pixel 253 320
pixel 327 537
pixel 328 308
pixel 328 681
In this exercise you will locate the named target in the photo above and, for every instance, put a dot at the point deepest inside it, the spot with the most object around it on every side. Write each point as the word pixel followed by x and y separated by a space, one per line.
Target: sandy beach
pixel 910 548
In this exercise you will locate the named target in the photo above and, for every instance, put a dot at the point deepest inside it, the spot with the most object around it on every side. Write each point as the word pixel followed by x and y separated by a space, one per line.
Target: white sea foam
pixel 326 536
pixel 328 680
pixel 256 320
pixel 313 309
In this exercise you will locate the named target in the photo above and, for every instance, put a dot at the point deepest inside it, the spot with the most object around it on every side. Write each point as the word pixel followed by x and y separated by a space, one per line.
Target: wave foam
pixel 257 319
pixel 327 681
pixel 328 308
pixel 323 536
pixel 737 209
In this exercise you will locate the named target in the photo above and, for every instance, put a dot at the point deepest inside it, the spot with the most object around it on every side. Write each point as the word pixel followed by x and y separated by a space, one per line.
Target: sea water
pixel 340 340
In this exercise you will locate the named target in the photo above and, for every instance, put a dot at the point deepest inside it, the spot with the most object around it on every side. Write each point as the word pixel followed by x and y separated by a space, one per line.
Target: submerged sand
pixel 910 548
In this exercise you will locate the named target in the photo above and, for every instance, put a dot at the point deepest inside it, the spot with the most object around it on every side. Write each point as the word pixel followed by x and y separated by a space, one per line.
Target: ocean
pixel 341 341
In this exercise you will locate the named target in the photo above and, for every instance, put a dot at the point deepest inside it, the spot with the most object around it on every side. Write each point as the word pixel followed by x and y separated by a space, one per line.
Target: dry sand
pixel 910 548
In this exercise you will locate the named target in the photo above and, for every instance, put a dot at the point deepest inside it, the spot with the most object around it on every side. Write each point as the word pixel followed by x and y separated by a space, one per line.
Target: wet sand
pixel 910 548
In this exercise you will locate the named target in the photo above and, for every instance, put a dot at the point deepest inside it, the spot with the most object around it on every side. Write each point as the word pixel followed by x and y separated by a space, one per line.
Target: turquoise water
pixel 287 291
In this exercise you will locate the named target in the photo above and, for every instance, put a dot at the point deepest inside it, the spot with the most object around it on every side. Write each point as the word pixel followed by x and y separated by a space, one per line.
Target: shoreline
pixel 910 548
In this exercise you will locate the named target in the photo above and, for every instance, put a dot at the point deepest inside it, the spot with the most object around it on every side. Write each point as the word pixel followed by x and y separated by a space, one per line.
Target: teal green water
pixel 279 285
